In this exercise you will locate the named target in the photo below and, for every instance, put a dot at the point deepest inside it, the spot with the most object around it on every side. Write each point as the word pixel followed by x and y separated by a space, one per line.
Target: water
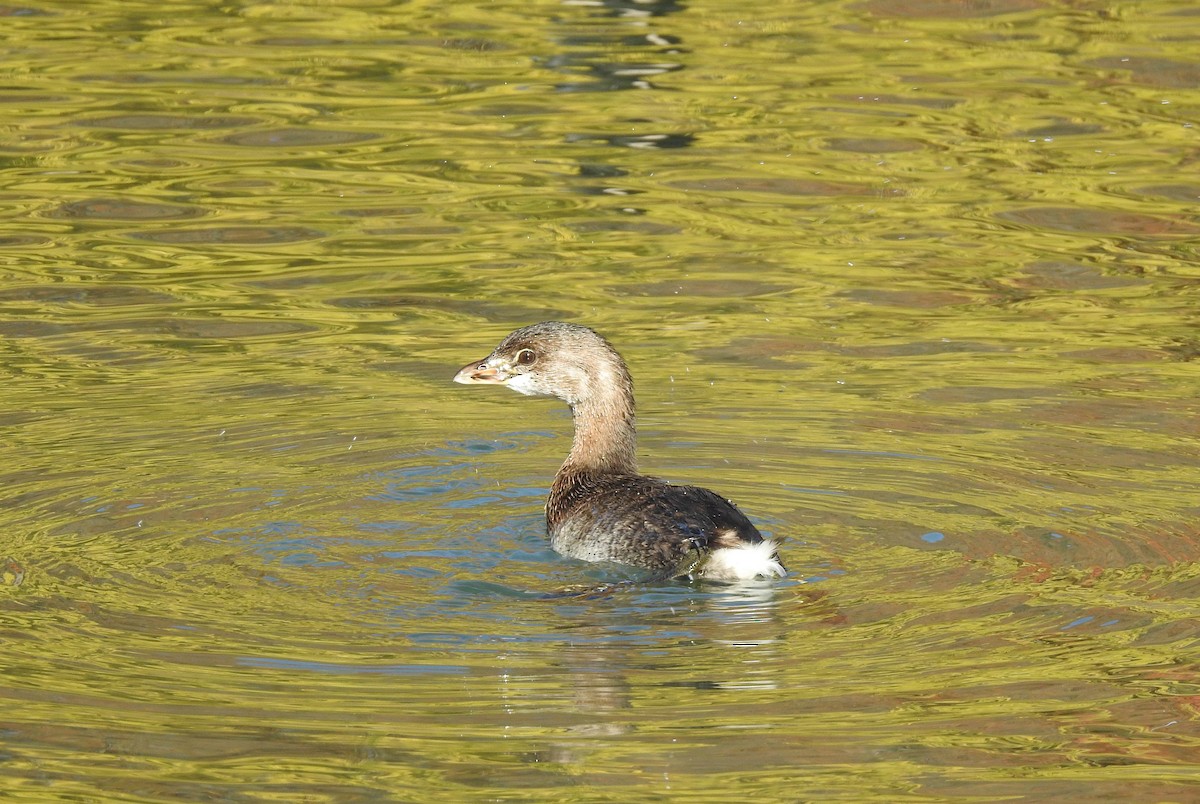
pixel 915 284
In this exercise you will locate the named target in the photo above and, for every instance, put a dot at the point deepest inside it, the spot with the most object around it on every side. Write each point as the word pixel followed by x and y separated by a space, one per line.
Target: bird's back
pixel 642 521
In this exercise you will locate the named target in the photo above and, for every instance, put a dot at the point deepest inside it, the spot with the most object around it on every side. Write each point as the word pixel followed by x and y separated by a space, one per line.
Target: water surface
pixel 916 284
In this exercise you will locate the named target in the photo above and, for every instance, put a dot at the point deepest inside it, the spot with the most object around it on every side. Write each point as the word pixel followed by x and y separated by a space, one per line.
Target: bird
pixel 599 506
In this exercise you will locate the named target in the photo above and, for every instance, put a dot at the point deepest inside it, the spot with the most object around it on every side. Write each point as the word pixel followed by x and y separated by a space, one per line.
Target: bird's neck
pixel 605 435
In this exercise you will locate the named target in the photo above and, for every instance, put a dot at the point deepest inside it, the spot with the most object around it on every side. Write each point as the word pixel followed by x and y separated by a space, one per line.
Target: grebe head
pixel 567 361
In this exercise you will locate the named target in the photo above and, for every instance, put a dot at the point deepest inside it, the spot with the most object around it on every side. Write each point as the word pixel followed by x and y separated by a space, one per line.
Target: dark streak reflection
pixel 602 59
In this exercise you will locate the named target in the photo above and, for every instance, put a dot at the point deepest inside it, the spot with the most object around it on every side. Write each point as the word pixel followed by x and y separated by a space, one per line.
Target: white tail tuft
pixel 743 562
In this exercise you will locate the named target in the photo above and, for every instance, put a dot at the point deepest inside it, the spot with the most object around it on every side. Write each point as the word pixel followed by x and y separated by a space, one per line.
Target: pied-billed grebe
pixel 599 507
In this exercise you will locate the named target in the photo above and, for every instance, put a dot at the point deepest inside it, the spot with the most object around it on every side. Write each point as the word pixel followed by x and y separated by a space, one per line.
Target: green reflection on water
pixel 880 270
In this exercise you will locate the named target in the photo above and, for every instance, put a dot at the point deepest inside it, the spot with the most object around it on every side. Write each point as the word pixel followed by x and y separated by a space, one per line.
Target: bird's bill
pixel 481 372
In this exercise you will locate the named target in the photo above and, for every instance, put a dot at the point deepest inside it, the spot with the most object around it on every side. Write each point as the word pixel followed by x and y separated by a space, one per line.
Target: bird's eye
pixel 526 356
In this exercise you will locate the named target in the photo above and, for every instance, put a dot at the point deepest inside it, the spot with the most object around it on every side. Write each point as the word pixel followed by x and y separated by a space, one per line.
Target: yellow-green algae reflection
pixel 915 283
